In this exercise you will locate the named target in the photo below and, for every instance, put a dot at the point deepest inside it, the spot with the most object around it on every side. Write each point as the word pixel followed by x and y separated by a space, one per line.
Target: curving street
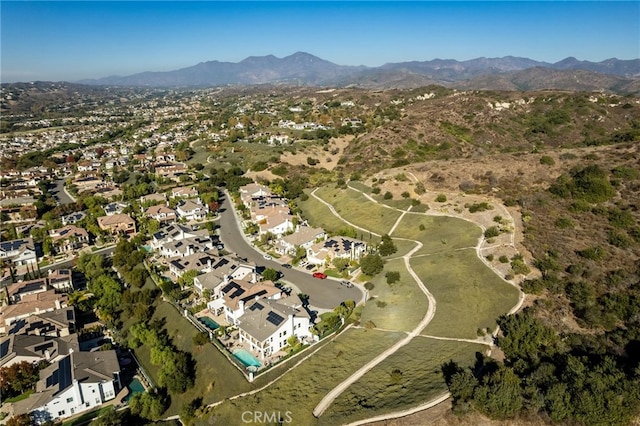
pixel 323 294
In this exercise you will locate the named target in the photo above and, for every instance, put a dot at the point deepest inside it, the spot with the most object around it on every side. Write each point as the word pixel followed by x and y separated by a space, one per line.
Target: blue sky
pixel 74 40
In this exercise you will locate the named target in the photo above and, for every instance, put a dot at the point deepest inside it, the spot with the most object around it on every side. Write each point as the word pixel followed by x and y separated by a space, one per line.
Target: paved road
pixel 323 294
pixel 59 193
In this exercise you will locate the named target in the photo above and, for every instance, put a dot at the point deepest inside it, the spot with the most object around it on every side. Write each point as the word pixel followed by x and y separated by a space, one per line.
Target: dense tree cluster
pixel 571 379
pixel 177 368
pixel 19 378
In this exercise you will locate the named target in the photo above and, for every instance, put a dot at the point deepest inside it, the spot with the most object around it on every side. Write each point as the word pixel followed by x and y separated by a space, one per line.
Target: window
pixel 86 404
pixel 61 413
pixel 70 399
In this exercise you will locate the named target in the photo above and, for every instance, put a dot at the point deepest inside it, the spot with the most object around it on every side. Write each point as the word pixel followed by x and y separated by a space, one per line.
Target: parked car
pixel 310 266
pixel 319 275
pixel 267 257
pixel 286 266
pixel 347 283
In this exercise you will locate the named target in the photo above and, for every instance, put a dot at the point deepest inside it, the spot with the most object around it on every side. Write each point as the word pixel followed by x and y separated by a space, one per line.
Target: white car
pixel 267 257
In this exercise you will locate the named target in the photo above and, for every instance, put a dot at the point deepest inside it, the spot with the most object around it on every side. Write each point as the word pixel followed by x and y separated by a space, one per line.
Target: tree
pixel 392 277
pixel 200 339
pixel 371 264
pixel 186 280
pixel 188 411
pixel 270 274
pixel 340 263
pixel 387 195
pixel 499 396
pixel 387 247
pixel 149 405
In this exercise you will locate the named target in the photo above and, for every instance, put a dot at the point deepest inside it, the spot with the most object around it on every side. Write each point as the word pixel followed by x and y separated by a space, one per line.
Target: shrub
pixel 491 232
pixel 376 190
pixel 621 218
pixel 593 253
pixel 422 227
pixel 381 304
pixel 441 198
pixel 369 285
pixel 626 173
pixel 392 277
pixel 564 223
pixel 388 195
pixel 479 207
pixel 547 161
pixel 619 240
pixel 489 257
pixel 503 259
pixel 405 194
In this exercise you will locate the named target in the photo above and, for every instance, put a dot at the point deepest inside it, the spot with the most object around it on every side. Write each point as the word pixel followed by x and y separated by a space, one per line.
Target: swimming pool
pixel 246 358
pixel 134 387
pixel 209 323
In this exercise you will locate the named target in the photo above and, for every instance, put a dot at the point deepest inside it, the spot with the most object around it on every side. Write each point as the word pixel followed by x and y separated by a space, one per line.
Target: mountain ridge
pixel 305 69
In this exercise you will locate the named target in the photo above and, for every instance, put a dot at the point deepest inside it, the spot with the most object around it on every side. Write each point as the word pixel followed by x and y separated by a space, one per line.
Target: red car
pixel 319 275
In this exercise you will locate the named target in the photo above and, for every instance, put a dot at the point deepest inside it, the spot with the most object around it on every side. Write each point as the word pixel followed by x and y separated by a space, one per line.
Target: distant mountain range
pixel 510 73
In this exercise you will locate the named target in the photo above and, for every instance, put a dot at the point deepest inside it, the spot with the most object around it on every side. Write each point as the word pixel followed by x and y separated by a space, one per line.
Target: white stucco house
pixel 80 381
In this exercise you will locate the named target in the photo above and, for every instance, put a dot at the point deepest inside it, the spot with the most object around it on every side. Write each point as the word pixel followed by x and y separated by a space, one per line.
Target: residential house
pixel 176 232
pixel 267 324
pixel 192 210
pixel 16 291
pixel 73 218
pixel 222 271
pixel 19 252
pixel 304 237
pixel 61 279
pixel 186 247
pixel 252 191
pixel 114 208
pixel 30 304
pixel 274 219
pixel 57 323
pixel 153 198
pixel 336 247
pixel 200 262
pixel 20 347
pixel 170 170
pixel 161 213
pixel 184 192
pixel 237 294
pixel 118 223
pixel 69 238
pixel 80 381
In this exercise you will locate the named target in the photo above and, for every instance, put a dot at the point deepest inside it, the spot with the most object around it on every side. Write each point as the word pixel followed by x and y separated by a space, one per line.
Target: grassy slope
pixel 300 390
pixel 468 294
pixel 421 380
pixel 356 208
pixel 441 233
pixel 406 304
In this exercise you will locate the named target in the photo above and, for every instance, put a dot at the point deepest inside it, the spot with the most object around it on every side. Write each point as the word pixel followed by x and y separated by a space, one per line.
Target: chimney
pixel 47 355
pixel 57 302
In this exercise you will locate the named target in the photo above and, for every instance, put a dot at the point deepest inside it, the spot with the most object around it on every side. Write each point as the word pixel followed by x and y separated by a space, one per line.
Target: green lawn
pixel 300 390
pixel 468 294
pixel 406 304
pixel 354 207
pixel 440 233
pixel 420 380
pixel 319 215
